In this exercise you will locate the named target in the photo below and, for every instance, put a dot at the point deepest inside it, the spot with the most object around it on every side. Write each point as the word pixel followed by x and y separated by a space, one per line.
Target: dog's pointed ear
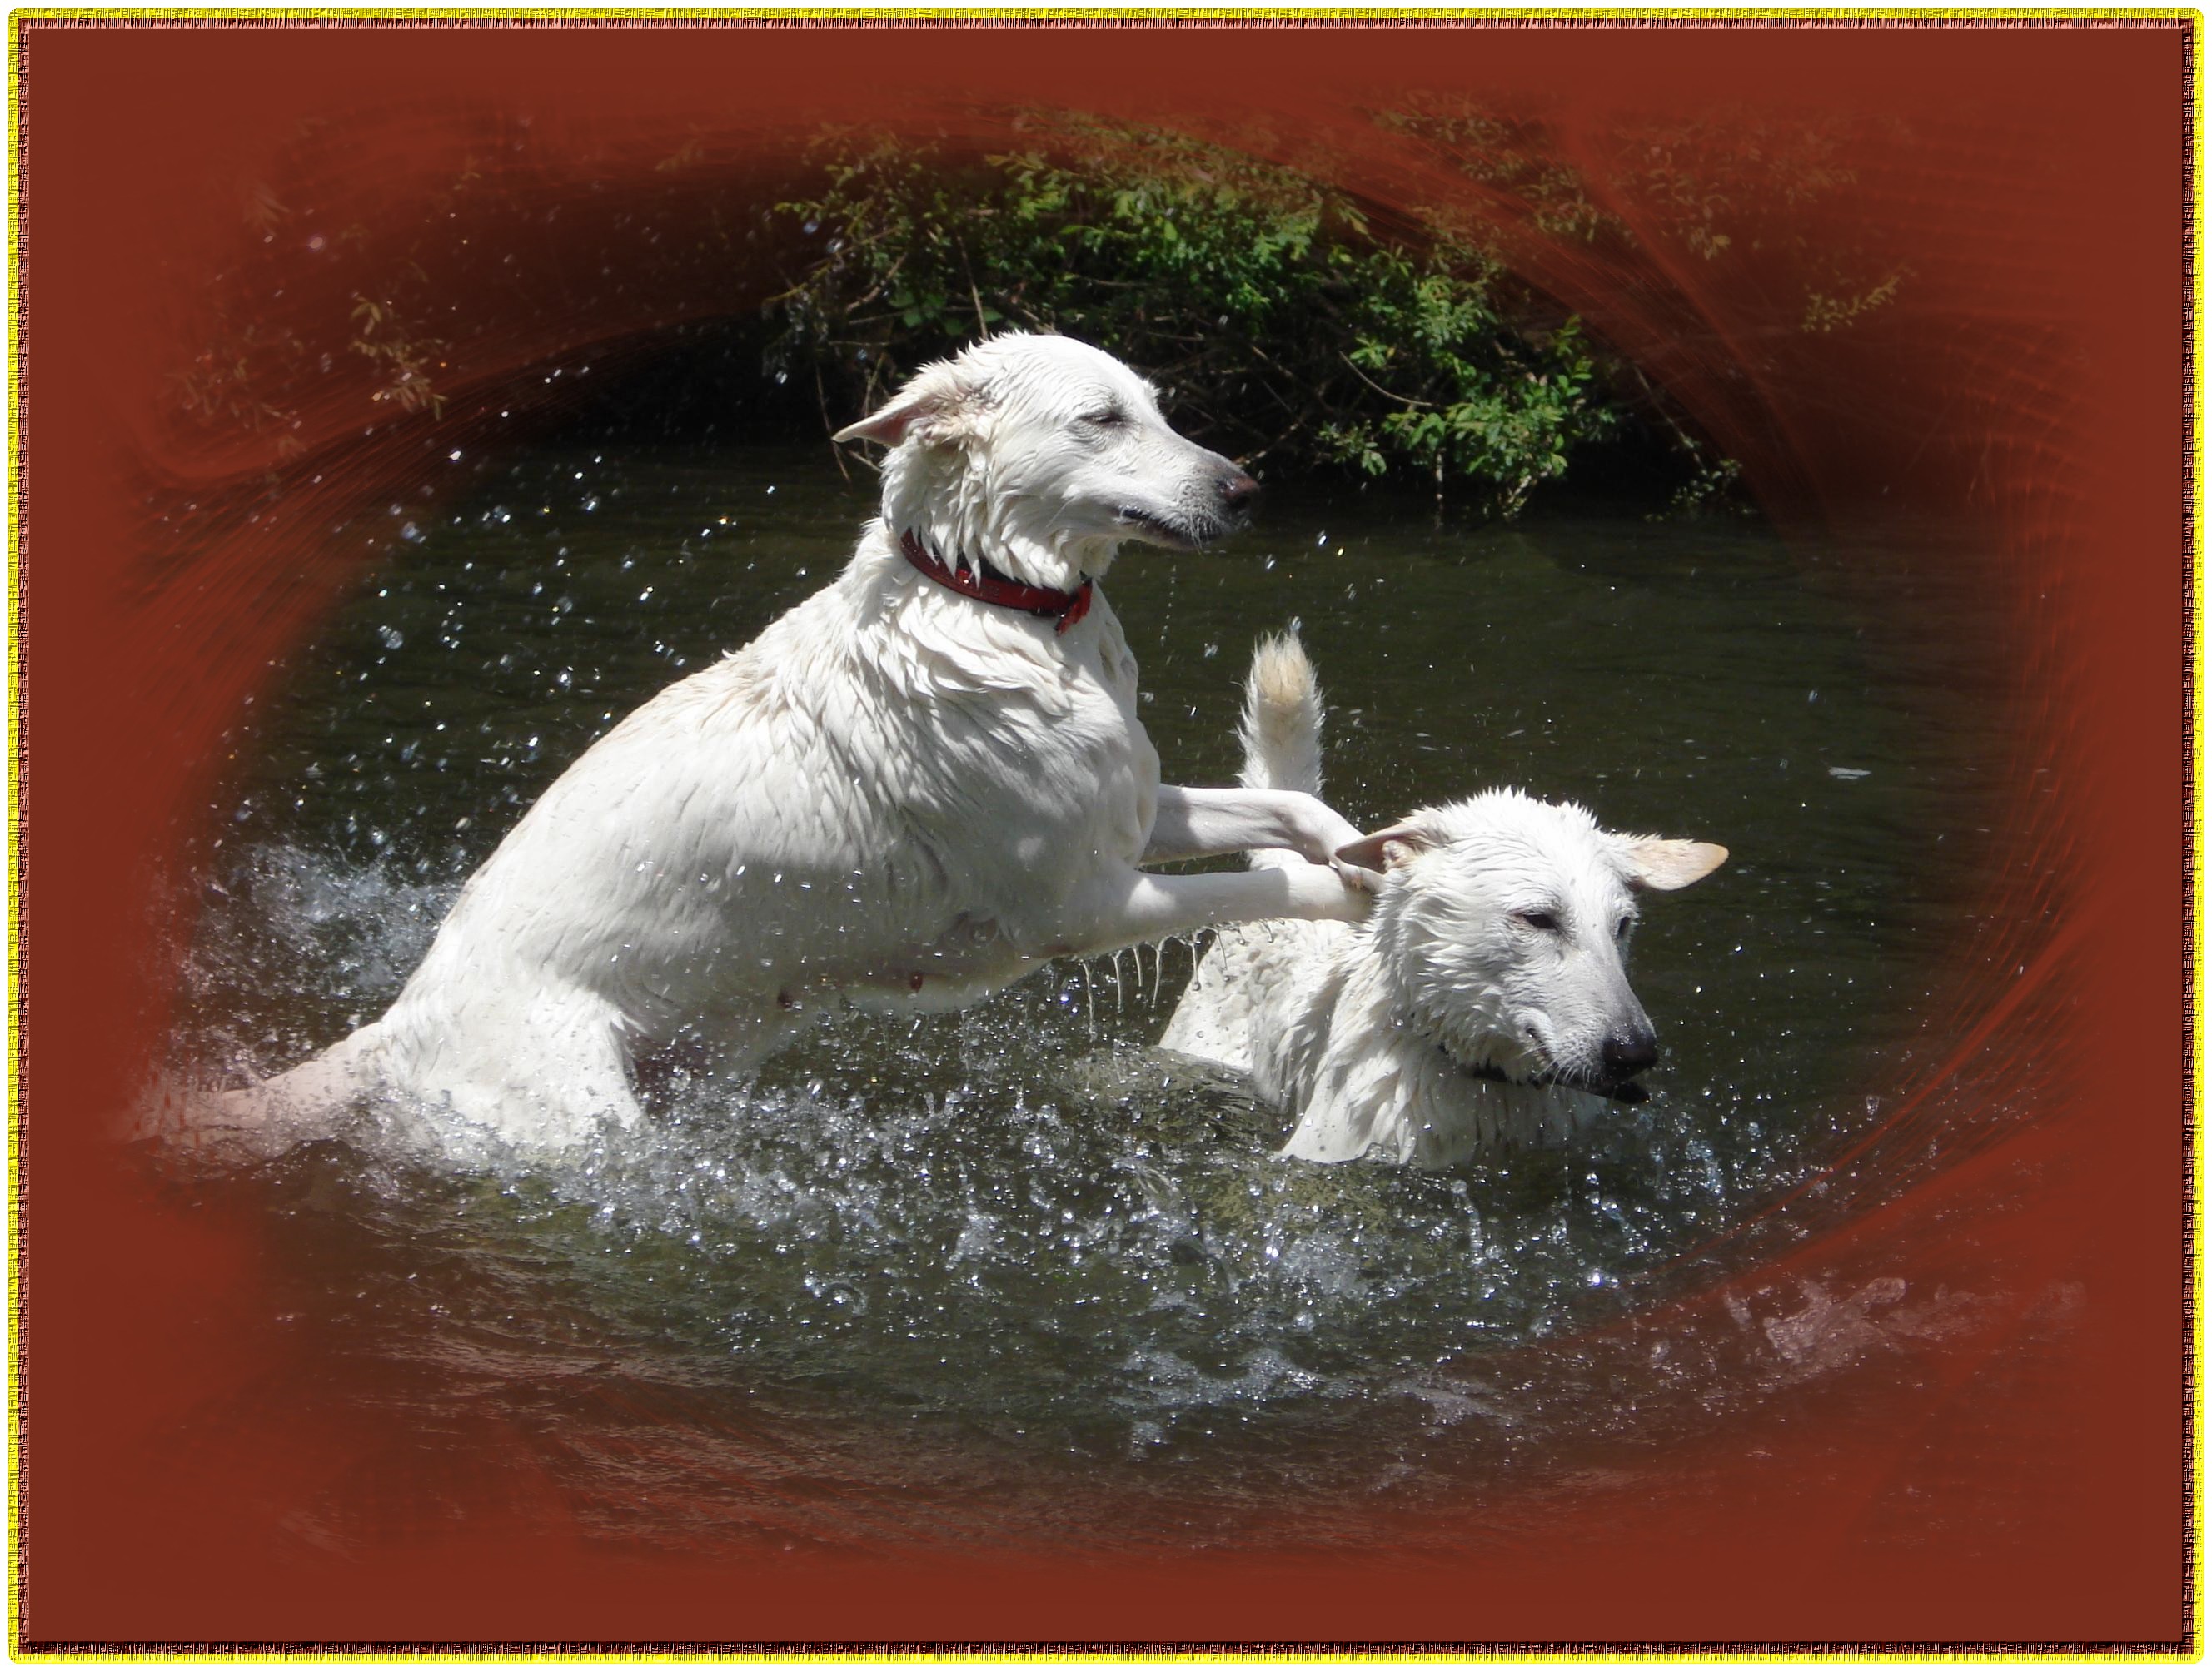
pixel 1387 850
pixel 1661 862
pixel 931 409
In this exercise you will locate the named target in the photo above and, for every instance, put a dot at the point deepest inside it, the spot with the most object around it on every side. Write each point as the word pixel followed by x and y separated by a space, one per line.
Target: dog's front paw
pixel 1357 878
pixel 1314 830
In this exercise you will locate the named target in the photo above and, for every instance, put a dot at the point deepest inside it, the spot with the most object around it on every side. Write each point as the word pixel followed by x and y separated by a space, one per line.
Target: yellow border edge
pixel 2193 1199
pixel 893 11
pixel 18 1235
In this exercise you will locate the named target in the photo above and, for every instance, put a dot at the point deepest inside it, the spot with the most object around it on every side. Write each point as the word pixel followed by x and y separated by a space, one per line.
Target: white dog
pixel 908 791
pixel 1486 1002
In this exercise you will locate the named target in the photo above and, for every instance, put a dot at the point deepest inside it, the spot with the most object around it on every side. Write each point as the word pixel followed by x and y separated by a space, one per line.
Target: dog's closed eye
pixel 1107 417
pixel 1545 921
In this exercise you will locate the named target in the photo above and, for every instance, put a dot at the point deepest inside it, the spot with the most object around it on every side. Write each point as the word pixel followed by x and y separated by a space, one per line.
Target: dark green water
pixel 1012 1252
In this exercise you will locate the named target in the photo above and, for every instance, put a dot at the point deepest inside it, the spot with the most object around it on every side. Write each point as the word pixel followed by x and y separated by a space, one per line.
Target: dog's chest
pixel 1050 774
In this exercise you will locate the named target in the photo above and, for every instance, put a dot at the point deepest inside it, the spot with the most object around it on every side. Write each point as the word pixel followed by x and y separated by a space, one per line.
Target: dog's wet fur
pixel 901 796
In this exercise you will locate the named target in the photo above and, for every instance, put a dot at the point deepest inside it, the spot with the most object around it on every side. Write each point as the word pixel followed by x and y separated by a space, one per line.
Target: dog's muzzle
pixel 1614 1091
pixel 1193 524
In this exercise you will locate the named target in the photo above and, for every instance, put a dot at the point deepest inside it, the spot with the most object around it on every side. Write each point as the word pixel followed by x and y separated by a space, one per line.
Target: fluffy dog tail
pixel 1282 718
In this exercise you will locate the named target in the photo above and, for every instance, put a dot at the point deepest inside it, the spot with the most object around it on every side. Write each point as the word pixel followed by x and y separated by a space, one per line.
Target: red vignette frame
pixel 2052 219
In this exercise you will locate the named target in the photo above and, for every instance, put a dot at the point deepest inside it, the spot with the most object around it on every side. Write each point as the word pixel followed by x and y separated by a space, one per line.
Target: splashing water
pixel 1018 1236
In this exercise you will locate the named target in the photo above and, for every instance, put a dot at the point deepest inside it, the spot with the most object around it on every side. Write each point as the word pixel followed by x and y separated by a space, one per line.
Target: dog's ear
pixel 933 409
pixel 1660 862
pixel 1387 850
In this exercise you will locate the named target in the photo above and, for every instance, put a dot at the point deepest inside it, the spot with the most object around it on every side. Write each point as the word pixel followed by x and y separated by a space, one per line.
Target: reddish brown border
pixel 2064 205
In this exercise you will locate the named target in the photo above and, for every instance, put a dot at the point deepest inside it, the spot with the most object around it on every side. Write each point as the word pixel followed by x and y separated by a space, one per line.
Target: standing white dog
pixel 908 791
pixel 1486 1002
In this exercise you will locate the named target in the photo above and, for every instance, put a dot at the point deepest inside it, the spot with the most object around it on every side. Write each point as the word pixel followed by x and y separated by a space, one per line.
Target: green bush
pixel 1293 328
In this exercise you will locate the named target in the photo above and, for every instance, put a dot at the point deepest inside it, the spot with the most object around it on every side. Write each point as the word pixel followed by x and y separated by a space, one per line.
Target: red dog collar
pixel 980 580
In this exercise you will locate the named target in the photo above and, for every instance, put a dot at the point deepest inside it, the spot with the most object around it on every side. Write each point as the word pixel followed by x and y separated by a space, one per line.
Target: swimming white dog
pixel 908 792
pixel 1484 1004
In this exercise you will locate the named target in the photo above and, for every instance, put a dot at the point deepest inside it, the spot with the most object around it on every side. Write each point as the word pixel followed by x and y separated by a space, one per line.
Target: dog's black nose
pixel 1238 492
pixel 1627 1055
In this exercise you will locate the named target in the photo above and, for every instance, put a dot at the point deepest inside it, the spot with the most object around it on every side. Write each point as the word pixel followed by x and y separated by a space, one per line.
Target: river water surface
pixel 956 1277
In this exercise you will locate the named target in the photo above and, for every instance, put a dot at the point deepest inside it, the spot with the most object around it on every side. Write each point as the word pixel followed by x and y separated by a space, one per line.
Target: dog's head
pixel 1505 922
pixel 1041 454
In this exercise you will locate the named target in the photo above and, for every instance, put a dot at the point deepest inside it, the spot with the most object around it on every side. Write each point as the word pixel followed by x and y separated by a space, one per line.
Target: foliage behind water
pixel 1301 332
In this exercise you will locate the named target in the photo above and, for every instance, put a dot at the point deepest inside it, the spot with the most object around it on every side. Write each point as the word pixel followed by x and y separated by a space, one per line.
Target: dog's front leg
pixel 1119 909
pixel 1194 824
